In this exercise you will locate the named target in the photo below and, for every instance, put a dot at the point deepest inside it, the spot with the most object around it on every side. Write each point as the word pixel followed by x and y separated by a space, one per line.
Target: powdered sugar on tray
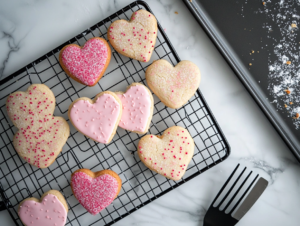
pixel 283 61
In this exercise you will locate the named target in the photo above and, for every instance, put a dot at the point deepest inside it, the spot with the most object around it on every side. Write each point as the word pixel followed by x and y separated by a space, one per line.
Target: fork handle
pixel 218 218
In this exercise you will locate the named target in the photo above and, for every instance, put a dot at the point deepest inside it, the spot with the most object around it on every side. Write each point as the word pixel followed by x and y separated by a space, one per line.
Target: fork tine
pixel 231 187
pixel 225 184
pixel 237 191
pixel 238 202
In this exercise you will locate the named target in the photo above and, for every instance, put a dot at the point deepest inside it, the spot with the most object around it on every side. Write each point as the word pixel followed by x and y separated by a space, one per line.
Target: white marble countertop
pixel 30 28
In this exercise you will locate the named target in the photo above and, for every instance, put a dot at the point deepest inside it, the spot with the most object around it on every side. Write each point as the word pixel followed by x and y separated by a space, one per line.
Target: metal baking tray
pixel 140 186
pixel 261 44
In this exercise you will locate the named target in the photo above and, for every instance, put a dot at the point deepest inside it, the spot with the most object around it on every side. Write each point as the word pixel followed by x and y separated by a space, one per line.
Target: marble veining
pixel 29 29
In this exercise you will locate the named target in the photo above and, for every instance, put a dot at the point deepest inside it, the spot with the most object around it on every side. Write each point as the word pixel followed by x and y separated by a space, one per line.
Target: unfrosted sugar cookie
pixel 97 119
pixel 50 210
pixel 86 64
pixel 136 38
pixel 137 104
pixel 174 86
pixel 95 191
pixel 169 154
pixel 40 136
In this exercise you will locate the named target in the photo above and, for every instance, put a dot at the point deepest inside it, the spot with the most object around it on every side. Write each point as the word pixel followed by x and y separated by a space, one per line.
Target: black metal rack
pixel 20 180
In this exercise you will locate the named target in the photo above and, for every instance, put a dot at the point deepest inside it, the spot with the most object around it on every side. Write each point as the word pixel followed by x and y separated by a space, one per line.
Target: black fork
pixel 217 217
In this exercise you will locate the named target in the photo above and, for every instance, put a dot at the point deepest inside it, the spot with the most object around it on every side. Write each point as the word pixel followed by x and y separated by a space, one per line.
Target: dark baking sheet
pixel 257 40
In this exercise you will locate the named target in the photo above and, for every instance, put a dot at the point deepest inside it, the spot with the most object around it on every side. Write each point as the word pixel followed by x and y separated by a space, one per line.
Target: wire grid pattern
pixel 20 180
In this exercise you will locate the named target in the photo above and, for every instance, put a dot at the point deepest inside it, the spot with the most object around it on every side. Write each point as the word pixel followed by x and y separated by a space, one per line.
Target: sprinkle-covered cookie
pixel 50 210
pixel 97 119
pixel 174 86
pixel 40 136
pixel 137 104
pixel 86 64
pixel 169 154
pixel 136 38
pixel 95 191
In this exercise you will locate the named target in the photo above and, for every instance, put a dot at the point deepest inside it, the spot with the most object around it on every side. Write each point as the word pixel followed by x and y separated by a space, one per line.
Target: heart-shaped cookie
pixel 86 64
pixel 136 38
pixel 137 104
pixel 50 210
pixel 169 154
pixel 95 191
pixel 97 119
pixel 41 136
pixel 174 86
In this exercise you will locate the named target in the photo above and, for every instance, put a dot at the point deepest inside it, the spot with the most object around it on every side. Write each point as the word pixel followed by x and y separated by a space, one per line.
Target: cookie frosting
pixel 94 194
pixel 88 62
pixel 96 120
pixel 136 104
pixel 50 212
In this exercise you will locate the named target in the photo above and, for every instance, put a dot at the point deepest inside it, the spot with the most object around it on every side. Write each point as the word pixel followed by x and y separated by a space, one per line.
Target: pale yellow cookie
pixel 174 86
pixel 41 136
pixel 136 38
pixel 169 154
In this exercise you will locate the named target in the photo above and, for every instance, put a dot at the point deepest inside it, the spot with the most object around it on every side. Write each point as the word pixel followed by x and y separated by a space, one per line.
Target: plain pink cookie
pixel 95 191
pixel 49 212
pixel 97 119
pixel 137 104
pixel 87 64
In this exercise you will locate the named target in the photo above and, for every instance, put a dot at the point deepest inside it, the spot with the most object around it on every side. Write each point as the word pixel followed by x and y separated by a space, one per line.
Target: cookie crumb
pixel 263 3
pixel 250 64
pixel 176 12
pixel 191 0
pixel 287 91
pixel 291 103
pixel 296 116
pixel 293 25
pixel 288 62
pixel 285 106
pixel 253 51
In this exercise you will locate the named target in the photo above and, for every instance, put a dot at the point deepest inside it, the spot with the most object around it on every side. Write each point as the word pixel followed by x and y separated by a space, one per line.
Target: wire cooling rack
pixel 19 180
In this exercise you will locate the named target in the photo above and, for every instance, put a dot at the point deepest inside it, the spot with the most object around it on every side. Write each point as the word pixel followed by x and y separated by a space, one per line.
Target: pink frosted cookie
pixel 86 64
pixel 95 191
pixel 50 210
pixel 41 136
pixel 97 119
pixel 136 38
pixel 137 104
pixel 174 86
pixel 169 154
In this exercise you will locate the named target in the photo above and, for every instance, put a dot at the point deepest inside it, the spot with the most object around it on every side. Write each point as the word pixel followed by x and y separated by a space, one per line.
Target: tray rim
pixel 231 59
pixel 5 201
